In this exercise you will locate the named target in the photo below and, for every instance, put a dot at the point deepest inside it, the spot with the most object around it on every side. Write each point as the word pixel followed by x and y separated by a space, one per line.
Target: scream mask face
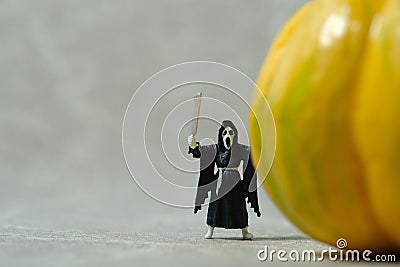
pixel 227 137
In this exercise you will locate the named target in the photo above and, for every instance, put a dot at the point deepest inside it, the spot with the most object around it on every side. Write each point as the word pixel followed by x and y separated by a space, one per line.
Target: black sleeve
pixel 250 186
pixel 195 151
pixel 207 178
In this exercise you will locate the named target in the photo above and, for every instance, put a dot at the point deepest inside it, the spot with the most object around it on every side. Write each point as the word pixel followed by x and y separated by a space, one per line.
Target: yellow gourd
pixel 332 79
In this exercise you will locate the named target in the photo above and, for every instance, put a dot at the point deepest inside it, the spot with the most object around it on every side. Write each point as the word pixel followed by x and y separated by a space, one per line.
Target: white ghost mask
pixel 227 137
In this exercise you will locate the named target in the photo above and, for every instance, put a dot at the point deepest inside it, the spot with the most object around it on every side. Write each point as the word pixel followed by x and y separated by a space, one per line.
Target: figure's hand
pixel 258 213
pixel 196 209
pixel 192 141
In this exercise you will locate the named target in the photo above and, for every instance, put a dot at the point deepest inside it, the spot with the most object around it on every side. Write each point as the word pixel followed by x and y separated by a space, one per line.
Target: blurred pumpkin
pixel 332 79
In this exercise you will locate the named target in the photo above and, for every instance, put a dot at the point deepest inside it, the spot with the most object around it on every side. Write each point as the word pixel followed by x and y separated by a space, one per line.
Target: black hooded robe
pixel 227 207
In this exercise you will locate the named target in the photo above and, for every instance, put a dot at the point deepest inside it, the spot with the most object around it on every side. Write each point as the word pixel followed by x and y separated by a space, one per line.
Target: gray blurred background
pixel 68 70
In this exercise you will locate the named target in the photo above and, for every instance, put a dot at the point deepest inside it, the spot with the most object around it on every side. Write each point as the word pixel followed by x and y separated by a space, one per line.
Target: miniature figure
pixel 227 207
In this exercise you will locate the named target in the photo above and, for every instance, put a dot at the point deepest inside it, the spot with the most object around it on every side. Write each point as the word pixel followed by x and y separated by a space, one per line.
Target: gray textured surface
pixel 68 70
pixel 103 248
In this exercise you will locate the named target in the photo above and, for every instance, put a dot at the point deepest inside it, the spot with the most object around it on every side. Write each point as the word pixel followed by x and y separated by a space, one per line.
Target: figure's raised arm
pixel 194 147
